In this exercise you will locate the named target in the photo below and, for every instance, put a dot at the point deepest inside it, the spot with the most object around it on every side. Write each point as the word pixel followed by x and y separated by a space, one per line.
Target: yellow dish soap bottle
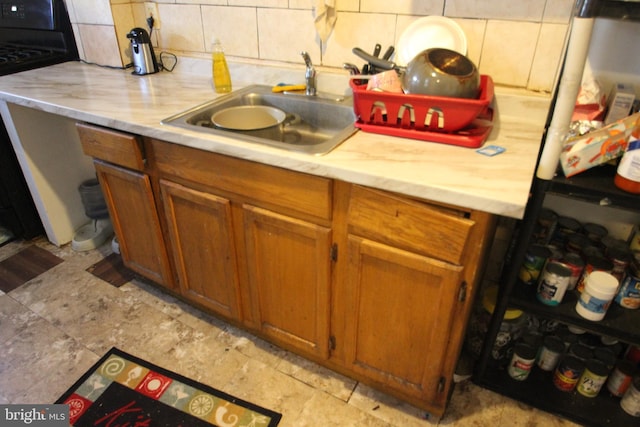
pixel 219 69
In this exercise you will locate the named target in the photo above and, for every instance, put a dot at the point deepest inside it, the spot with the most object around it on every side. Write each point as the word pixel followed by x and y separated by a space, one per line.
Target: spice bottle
pixel 523 359
pixel 628 174
pixel 220 69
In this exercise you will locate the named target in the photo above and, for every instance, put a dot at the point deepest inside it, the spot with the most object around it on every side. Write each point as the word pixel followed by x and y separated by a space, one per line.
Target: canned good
pixel 593 263
pixel 533 263
pixel 595 232
pixel 568 337
pixel 524 356
pixel 635 239
pixel 511 328
pixel 610 242
pixel 633 354
pixel 575 263
pixel 552 349
pixel 629 294
pixel 545 225
pixel 630 402
pixel 554 281
pixel 621 258
pixel 581 351
pixel 567 373
pixel 606 356
pixel 565 227
pixel 620 378
pixel 533 338
pixel 576 243
pixel 592 379
pixel 589 251
pixel 556 252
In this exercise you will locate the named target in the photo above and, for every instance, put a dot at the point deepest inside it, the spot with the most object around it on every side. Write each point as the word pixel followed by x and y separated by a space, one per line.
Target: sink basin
pixel 320 124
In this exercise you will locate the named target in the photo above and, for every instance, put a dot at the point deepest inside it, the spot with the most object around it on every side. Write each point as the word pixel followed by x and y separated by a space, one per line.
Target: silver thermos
pixel 144 60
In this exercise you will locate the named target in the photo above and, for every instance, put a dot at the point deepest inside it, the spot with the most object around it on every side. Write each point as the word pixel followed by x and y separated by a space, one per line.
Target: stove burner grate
pixel 16 54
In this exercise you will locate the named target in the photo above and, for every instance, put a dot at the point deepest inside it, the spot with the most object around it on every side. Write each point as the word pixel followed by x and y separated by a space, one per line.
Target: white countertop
pixel 438 172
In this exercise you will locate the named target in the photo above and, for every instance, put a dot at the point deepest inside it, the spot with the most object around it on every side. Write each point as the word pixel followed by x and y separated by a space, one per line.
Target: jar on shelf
pixel 628 173
pixel 630 402
pixel 621 378
pixel 592 379
pixel 511 328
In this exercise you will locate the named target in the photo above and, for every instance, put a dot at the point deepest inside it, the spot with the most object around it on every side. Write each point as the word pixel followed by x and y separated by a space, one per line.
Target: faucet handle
pixel 307 58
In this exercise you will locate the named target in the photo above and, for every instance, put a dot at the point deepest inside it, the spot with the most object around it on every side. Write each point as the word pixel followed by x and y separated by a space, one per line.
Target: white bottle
pixel 219 69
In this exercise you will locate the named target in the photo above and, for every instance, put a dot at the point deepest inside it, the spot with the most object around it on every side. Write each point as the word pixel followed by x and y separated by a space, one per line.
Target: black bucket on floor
pixel 93 200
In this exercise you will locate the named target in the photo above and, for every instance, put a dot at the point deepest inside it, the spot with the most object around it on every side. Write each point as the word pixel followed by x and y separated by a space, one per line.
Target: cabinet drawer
pixel 417 227
pixel 119 148
pixel 269 185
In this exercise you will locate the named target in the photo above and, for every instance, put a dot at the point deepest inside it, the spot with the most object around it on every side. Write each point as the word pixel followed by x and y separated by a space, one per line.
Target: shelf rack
pixel 594 186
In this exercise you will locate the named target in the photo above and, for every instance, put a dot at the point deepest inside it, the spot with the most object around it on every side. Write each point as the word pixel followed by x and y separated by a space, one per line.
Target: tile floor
pixel 54 327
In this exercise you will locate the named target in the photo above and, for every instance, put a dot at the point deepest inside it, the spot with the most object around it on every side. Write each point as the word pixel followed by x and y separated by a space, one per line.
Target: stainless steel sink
pixel 321 124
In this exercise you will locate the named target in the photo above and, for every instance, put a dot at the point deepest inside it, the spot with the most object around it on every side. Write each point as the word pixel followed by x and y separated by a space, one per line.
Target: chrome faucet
pixel 309 75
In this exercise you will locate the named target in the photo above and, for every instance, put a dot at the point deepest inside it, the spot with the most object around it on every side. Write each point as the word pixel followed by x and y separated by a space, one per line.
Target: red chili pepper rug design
pixel 123 390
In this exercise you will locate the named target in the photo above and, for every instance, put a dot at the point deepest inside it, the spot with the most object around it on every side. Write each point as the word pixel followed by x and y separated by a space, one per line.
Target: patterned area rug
pixel 123 390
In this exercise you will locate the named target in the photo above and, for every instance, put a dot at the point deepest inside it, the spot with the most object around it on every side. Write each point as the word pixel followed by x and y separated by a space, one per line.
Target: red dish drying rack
pixel 455 121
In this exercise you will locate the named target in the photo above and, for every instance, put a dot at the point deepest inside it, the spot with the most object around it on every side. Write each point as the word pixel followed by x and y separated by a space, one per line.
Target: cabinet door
pixel 200 229
pixel 288 262
pixel 135 220
pixel 399 318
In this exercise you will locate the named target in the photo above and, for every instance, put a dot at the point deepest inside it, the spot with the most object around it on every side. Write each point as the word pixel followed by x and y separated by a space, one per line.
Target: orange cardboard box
pixel 597 147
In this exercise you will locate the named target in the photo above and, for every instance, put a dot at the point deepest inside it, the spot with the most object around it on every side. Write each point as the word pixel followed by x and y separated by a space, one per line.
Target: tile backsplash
pixel 518 43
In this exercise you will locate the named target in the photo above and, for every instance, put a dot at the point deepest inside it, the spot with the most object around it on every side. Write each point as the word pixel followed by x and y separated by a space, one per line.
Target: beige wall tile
pixel 123 18
pixel 547 56
pixel 236 27
pixel 260 3
pixel 347 5
pixel 77 36
pixel 558 11
pixel 508 51
pixel 362 30
pixel 475 30
pixel 92 12
pixel 530 10
pixel 302 4
pixel 284 33
pixel 181 28
pixel 277 30
pixel 71 11
pixel 100 45
pixel 206 2
pixel 408 7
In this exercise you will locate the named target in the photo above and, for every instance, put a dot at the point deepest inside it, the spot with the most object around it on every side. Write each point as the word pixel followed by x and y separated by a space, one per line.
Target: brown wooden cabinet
pixel 266 232
pixel 130 200
pixel 289 267
pixel 400 319
pixel 409 272
pixel 200 229
pixel 375 285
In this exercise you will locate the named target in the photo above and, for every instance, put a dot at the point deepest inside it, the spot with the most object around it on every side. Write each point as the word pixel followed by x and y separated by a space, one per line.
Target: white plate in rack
pixel 429 32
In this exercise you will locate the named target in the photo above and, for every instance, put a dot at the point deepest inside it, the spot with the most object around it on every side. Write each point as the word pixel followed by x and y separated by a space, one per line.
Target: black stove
pixel 33 34
pixel 16 54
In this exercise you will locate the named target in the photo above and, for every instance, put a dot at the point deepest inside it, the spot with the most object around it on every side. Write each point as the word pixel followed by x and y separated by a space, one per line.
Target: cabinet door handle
pixel 462 294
